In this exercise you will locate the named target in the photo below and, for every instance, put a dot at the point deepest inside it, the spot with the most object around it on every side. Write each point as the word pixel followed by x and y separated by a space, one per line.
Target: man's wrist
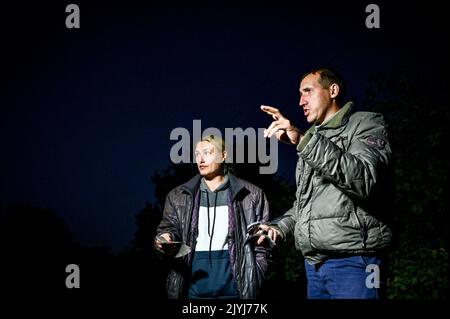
pixel 294 134
pixel 291 128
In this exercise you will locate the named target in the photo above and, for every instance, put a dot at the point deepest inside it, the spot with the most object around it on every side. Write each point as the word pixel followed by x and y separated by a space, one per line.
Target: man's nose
pixel 302 101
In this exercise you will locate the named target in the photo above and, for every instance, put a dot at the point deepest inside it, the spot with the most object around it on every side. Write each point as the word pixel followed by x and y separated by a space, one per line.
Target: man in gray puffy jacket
pixel 203 232
pixel 337 218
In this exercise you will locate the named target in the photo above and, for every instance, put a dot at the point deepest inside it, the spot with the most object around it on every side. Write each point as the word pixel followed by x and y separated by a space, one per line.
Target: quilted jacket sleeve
pixel 356 170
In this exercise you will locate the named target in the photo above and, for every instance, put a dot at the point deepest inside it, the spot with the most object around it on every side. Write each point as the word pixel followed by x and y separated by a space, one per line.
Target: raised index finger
pixel 271 111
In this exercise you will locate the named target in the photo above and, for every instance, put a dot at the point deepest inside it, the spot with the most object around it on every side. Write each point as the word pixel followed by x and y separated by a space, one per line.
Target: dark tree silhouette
pixel 33 242
pixel 36 247
pixel 416 109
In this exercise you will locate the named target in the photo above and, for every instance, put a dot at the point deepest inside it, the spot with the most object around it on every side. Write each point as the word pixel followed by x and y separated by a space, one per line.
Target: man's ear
pixel 224 156
pixel 334 90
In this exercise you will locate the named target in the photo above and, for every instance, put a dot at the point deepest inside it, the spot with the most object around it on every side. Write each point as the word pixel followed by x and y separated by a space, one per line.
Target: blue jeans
pixel 353 277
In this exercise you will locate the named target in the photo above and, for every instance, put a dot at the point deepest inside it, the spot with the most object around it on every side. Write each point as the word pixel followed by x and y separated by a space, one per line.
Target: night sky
pixel 86 113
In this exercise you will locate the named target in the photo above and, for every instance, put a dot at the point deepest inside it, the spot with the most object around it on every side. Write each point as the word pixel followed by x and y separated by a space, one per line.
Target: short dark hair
pixel 329 76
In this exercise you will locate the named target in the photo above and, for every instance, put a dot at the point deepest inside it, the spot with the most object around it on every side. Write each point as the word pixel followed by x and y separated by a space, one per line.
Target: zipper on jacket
pixel 189 226
pixel 362 230
pixel 237 269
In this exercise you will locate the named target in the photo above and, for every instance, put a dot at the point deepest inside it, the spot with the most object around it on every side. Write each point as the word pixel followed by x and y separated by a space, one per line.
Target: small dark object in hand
pixel 252 234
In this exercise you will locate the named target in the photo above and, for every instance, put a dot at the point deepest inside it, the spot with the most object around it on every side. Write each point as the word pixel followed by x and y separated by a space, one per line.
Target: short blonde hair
pixel 218 142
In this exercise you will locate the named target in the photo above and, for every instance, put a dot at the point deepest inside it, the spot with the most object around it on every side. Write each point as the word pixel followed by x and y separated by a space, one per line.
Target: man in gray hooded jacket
pixel 337 217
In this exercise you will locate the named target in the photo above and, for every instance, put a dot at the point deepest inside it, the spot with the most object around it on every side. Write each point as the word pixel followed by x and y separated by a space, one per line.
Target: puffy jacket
pixel 340 177
pixel 248 204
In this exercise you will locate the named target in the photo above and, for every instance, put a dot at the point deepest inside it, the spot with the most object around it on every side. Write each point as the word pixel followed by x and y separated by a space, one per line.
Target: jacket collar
pixel 191 185
pixel 339 118
pixel 236 185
